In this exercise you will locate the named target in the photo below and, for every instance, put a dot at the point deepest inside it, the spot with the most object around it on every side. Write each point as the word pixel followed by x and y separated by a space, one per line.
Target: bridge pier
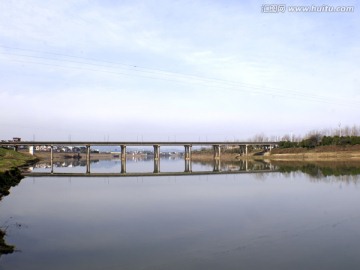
pixel 123 152
pixel 52 158
pixel 217 165
pixel 156 165
pixel 156 158
pixel 32 150
pixel 123 166
pixel 246 150
pixel 87 158
pixel 123 158
pixel 242 165
pixel 188 151
pixel 156 152
pixel 188 167
pixel 241 150
pixel 217 151
pixel 187 157
pixel 217 156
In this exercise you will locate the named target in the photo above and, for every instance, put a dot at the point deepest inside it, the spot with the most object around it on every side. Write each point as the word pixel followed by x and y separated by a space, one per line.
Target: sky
pixel 175 70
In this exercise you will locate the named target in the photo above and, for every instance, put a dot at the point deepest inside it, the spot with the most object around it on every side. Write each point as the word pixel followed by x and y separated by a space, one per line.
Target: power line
pixel 231 88
pixel 165 75
pixel 137 68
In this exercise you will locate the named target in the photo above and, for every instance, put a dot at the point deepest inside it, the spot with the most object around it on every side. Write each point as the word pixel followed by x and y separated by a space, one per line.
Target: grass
pixel 10 159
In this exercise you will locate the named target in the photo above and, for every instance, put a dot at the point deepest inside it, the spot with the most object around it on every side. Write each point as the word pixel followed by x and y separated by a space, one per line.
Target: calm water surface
pixel 247 221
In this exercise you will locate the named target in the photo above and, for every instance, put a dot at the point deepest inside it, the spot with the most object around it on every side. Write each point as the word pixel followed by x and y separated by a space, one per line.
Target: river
pixel 281 219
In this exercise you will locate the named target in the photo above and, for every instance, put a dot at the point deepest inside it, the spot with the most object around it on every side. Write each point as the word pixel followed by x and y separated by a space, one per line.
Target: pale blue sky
pixel 184 70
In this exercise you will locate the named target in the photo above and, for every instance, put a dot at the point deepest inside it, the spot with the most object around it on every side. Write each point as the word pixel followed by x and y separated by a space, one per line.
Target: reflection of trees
pixel 260 176
pixel 347 172
pixel 324 172
pixel 7 180
pixel 5 248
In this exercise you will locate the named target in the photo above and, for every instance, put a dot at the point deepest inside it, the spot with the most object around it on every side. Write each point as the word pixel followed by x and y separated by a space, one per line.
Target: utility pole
pixel 340 129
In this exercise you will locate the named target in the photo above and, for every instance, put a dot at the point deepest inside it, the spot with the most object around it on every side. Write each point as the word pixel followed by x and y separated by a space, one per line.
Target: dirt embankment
pixel 332 152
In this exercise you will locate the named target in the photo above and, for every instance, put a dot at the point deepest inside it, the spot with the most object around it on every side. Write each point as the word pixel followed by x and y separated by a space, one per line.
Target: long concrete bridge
pixel 216 145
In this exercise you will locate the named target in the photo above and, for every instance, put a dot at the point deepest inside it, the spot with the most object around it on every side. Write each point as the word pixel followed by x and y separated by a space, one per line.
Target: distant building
pixel 41 148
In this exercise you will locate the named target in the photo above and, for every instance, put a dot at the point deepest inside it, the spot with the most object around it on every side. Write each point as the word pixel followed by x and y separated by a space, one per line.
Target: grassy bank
pixel 10 175
pixel 10 159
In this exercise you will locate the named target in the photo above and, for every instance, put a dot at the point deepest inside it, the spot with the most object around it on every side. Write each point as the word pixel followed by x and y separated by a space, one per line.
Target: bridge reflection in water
pixel 239 167
pixel 139 174
pixel 243 146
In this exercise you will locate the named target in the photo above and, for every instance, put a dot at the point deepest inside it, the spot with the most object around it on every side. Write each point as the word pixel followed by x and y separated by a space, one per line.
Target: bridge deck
pixel 130 143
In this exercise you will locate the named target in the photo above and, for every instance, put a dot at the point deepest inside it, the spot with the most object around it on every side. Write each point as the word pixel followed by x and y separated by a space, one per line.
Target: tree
pixel 327 140
pixel 312 141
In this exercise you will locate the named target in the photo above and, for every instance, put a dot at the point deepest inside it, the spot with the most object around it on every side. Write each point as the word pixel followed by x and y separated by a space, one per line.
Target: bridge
pixel 156 146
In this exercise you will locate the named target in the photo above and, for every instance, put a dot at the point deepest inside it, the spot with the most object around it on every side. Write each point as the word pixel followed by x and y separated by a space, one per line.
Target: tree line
pixel 318 140
pixel 339 136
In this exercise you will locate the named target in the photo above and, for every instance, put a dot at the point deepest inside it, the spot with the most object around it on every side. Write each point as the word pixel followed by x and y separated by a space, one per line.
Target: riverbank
pixel 10 176
pixel 9 159
pixel 333 152
pixel 10 162
pixel 326 153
